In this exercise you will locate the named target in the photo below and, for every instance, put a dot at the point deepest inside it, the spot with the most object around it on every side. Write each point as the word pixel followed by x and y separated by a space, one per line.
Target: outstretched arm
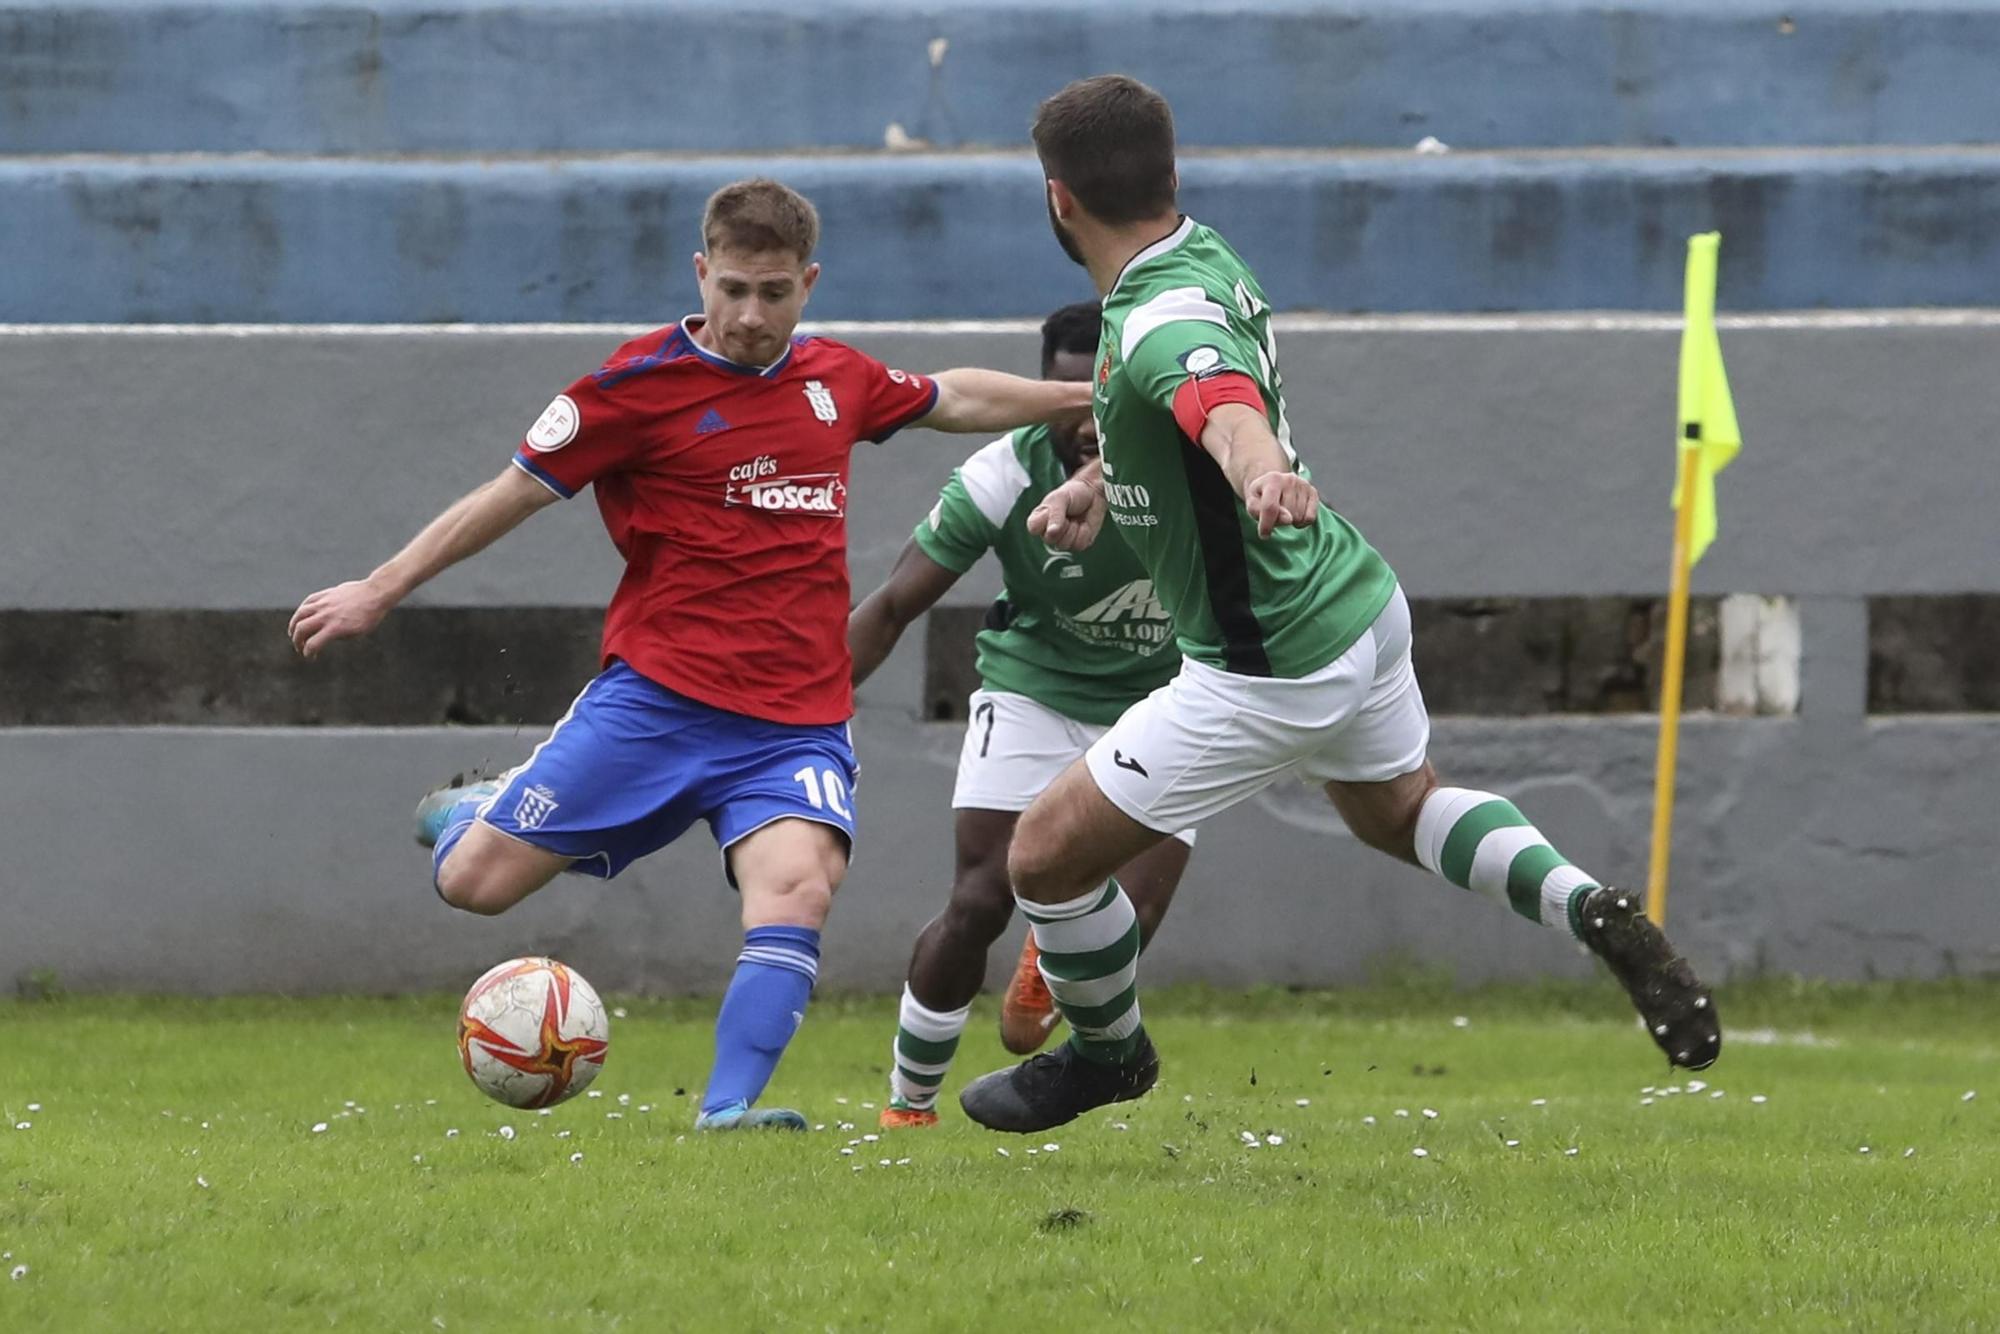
pixel 980 400
pixel 912 588
pixel 1240 440
pixel 471 525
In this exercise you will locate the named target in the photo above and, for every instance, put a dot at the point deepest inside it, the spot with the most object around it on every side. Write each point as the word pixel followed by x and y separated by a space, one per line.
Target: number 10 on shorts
pixel 826 790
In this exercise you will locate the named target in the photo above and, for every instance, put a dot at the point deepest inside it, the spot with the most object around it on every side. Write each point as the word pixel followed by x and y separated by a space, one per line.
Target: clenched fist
pixel 1069 517
pixel 1281 498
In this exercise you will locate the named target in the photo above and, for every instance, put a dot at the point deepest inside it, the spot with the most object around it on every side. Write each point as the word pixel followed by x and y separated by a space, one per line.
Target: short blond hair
pixel 760 215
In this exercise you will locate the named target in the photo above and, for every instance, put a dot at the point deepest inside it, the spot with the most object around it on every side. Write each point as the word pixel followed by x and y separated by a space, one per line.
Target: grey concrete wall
pixel 1484 457
pixel 212 861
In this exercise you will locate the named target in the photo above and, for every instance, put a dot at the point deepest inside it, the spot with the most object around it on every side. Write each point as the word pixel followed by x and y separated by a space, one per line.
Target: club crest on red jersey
pixel 822 402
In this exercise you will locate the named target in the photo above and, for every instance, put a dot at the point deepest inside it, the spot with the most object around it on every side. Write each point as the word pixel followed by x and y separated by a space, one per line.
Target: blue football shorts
pixel 633 764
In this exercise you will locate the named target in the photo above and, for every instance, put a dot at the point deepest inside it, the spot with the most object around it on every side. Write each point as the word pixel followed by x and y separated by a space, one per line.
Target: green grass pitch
pixel 160 1169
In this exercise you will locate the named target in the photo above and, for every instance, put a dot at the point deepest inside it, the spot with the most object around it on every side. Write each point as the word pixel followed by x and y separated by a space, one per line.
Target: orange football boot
pixel 899 1115
pixel 1028 1014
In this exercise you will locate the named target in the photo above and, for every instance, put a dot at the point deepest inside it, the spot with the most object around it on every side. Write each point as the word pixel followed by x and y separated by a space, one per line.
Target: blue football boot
pixel 434 811
pixel 742 1116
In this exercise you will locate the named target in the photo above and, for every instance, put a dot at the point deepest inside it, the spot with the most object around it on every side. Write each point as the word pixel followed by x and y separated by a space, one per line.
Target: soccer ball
pixel 532 1033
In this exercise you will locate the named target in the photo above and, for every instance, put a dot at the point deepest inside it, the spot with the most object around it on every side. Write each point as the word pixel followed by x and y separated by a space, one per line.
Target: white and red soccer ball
pixel 532 1033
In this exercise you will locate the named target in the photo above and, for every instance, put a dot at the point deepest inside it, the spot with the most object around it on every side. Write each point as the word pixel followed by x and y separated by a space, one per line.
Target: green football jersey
pixel 1080 632
pixel 1187 307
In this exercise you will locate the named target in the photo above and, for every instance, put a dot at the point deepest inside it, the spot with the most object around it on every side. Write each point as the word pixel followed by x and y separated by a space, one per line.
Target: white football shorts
pixel 1210 739
pixel 1014 748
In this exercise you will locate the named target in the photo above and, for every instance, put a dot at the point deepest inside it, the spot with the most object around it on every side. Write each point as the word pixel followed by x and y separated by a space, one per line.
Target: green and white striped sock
pixel 926 1040
pixel 1090 958
pixel 1482 842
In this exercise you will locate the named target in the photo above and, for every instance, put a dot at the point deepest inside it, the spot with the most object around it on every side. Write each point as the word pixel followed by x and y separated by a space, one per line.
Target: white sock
pixel 926 1040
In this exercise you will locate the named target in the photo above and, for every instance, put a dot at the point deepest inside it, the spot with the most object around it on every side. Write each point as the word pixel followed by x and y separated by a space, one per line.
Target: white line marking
pixel 1542 322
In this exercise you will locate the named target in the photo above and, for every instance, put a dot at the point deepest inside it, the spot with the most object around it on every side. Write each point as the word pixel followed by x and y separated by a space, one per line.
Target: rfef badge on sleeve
pixel 1202 362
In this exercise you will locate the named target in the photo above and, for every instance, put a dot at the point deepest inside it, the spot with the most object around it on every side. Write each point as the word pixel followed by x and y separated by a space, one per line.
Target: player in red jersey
pixel 718 448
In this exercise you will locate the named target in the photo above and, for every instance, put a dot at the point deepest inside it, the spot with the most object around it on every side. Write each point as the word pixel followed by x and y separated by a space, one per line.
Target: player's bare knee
pixel 1037 874
pixel 1395 839
pixel 1028 865
pixel 1384 815
pixel 1034 857
pixel 982 903
pixel 802 899
pixel 1398 836
pixel 449 881
pixel 468 888
pixel 1387 832
pixel 1393 831
pixel 1148 913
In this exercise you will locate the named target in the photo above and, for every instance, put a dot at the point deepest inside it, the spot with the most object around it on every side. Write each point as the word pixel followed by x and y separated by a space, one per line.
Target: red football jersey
pixel 724 487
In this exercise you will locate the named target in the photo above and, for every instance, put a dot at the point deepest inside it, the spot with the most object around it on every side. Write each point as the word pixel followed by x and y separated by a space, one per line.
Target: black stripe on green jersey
pixel 1226 566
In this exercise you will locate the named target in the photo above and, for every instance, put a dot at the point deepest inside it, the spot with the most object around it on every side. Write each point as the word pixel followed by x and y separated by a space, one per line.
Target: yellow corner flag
pixel 1708 417
pixel 1708 441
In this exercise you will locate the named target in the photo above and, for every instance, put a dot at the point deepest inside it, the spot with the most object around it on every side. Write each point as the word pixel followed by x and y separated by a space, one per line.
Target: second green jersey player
pixel 1295 636
pixel 1076 638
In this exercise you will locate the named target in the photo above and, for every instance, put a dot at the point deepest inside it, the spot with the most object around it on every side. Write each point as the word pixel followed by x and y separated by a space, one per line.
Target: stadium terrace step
pixel 288 76
pixel 201 239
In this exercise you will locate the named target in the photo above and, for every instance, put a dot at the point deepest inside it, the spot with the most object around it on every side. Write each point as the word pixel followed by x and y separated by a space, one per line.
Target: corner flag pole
pixel 1670 700
pixel 1707 440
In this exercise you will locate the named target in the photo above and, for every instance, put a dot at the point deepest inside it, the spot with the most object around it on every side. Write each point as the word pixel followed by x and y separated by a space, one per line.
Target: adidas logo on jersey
pixel 711 422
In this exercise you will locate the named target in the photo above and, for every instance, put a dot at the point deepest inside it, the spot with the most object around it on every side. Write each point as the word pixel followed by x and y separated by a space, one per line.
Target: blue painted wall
pixel 692 75
pixel 965 236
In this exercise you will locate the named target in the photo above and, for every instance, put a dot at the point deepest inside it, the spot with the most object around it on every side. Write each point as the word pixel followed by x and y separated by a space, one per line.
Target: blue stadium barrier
pixel 966 235
pixel 693 75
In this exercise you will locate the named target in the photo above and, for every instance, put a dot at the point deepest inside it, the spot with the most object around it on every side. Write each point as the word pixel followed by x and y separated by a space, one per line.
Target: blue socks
pixel 455 824
pixel 764 1006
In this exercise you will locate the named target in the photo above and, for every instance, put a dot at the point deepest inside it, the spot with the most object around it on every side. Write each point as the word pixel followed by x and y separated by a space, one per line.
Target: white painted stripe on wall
pixel 1539 322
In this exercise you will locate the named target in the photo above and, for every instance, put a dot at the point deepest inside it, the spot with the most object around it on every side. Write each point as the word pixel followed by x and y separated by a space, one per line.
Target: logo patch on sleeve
pixel 556 427
pixel 1201 361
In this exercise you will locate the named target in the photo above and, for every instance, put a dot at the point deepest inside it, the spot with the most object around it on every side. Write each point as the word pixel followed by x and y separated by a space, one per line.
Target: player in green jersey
pixel 1073 641
pixel 1294 634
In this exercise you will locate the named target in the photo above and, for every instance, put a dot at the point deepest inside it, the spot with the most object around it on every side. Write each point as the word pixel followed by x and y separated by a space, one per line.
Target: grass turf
pixel 170 1175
